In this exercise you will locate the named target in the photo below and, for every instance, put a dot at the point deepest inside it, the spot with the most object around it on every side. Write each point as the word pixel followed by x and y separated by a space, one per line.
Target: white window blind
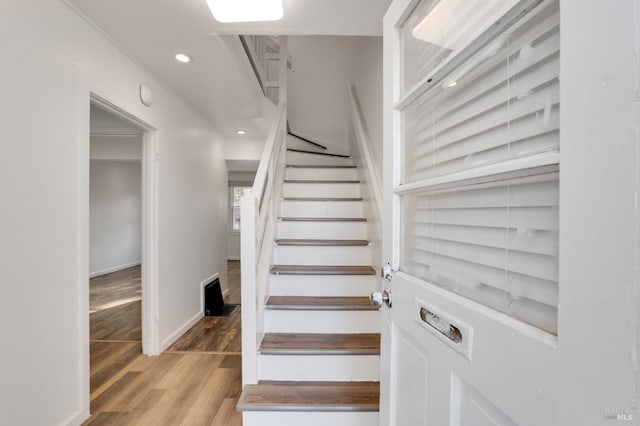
pixel 495 242
pixel 504 104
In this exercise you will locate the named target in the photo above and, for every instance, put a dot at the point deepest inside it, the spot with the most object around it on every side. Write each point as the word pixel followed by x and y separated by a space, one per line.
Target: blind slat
pixel 499 117
pixel 529 136
pixel 542 218
pixel 538 72
pixel 456 274
pixel 530 264
pixel 530 194
pixel 543 79
pixel 515 239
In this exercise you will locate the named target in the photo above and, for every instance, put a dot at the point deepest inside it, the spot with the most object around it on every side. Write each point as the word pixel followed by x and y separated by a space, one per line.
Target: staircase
pixel 318 358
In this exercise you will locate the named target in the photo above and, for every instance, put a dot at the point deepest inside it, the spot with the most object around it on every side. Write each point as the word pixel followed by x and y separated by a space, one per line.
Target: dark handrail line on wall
pixel 305 139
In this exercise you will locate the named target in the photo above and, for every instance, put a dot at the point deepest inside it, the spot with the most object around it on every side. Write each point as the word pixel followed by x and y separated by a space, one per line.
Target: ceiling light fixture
pixel 241 132
pixel 246 10
pixel 181 57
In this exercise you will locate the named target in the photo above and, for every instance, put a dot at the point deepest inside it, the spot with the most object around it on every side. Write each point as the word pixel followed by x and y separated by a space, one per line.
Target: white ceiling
pixel 219 82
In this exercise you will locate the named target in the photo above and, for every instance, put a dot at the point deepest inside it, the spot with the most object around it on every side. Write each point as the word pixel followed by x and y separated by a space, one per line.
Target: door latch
pixel 387 272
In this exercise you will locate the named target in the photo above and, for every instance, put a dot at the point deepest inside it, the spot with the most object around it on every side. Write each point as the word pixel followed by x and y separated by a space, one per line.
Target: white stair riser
pixel 322 285
pixel 302 159
pixel 334 190
pixel 319 367
pixel 282 418
pixel 321 208
pixel 322 255
pixel 302 321
pixel 321 174
pixel 322 230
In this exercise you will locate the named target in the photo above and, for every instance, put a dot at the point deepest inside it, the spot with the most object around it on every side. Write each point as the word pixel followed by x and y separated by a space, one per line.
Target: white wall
pixel 115 215
pixel 116 148
pixel 233 245
pixel 233 237
pixel 53 58
pixel 318 102
pixel 366 76
pixel 318 97
pixel 246 149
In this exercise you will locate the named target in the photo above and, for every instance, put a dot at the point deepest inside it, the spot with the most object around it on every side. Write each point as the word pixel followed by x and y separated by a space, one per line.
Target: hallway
pixel 197 381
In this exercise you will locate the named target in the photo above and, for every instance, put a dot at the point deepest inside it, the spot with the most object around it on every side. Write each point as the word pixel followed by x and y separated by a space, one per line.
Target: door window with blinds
pixel 478 104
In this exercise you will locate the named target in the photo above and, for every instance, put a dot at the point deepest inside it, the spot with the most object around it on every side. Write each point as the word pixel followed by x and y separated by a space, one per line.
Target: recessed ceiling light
pixel 246 10
pixel 181 57
pixel 241 132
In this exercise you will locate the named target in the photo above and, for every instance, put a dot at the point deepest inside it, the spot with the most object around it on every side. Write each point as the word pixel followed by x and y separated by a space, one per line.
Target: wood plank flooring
pixel 107 291
pixel 233 277
pixel 197 381
pixel 118 323
pixel 213 334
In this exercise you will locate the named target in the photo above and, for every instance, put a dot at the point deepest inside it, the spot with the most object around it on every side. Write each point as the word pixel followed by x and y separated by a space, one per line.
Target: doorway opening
pixel 121 234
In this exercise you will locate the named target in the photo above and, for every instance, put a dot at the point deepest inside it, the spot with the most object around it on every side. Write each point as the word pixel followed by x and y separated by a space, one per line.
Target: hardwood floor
pixel 233 276
pixel 187 388
pixel 119 287
pixel 118 323
pixel 212 334
pixel 197 381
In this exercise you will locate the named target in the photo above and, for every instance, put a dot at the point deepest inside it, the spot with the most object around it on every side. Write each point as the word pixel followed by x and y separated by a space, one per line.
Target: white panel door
pixel 471 212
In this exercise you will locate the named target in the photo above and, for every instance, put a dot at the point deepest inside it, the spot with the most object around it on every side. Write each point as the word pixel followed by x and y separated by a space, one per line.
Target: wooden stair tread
pixel 322 198
pixel 310 396
pixel 320 303
pixel 320 344
pixel 323 219
pixel 320 181
pixel 322 270
pixel 317 153
pixel 319 166
pixel 316 242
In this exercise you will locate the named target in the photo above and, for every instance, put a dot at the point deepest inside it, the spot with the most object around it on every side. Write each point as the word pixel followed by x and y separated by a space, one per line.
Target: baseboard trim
pixel 114 269
pixel 180 331
pixel 78 418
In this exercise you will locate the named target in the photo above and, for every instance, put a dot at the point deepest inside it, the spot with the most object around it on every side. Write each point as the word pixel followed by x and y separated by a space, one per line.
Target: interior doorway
pixel 121 235
pixel 115 245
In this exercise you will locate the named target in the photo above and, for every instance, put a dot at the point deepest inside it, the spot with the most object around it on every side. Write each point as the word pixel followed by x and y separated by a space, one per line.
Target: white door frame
pixel 150 335
pixel 150 305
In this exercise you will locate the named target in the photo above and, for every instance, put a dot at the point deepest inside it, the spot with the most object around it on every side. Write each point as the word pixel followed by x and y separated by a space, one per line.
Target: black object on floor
pixel 227 310
pixel 213 301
